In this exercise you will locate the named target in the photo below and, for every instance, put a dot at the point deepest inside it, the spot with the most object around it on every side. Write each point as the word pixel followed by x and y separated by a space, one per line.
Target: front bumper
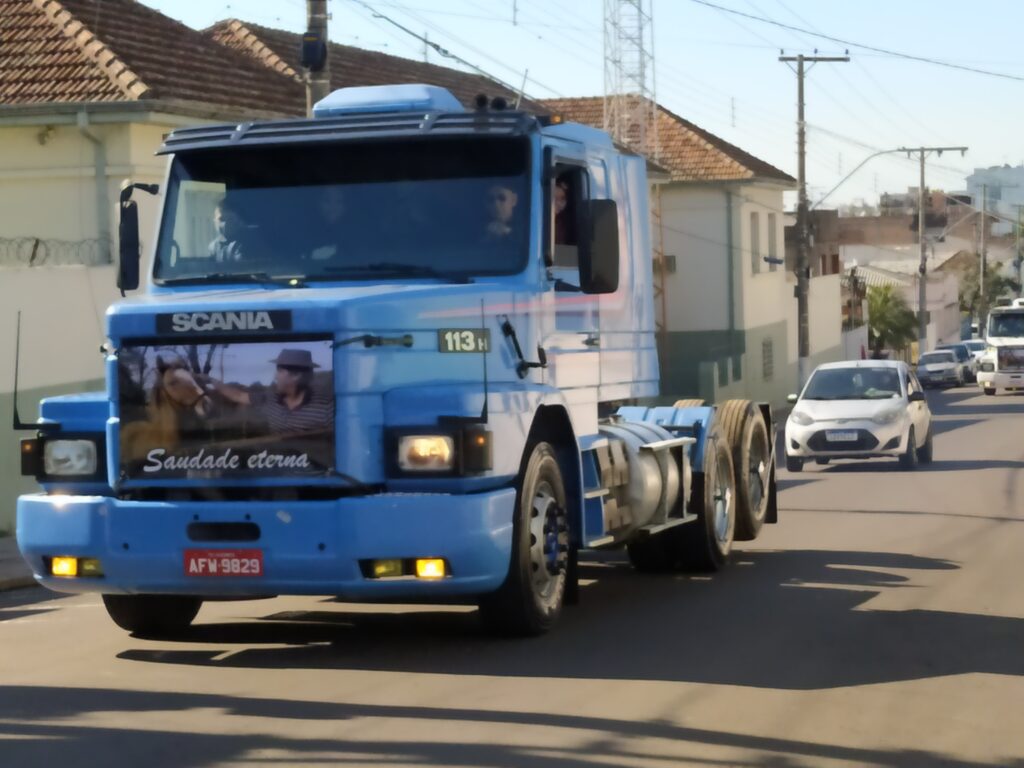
pixel 810 442
pixel 309 548
pixel 945 379
pixel 1000 380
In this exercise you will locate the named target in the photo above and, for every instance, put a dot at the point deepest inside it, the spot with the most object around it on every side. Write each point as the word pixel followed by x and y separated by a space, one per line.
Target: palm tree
pixel 891 323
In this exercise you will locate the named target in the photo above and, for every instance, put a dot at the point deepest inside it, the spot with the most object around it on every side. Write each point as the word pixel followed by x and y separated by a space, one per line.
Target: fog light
pixel 64 566
pixel 90 566
pixel 430 568
pixel 387 569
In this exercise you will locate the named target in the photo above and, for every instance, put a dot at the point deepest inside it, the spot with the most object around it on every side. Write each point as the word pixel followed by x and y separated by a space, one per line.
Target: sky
pixel 721 70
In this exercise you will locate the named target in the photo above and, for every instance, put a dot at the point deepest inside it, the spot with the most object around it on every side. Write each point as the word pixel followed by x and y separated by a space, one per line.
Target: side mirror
pixel 791 399
pixel 128 236
pixel 916 397
pixel 599 248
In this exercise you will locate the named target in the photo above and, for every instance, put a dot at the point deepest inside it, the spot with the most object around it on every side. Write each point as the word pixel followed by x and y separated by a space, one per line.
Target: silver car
pixel 940 369
pixel 860 410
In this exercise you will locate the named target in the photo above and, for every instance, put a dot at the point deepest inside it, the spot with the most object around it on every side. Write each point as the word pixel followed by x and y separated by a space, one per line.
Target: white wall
pixel 761 285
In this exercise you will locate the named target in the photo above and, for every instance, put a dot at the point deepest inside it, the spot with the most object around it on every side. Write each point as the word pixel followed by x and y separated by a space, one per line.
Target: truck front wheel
pixel 530 601
pixel 152 614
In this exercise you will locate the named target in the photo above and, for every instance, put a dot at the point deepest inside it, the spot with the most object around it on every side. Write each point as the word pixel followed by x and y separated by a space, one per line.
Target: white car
pixel 860 409
pixel 977 347
pixel 940 369
pixel 968 362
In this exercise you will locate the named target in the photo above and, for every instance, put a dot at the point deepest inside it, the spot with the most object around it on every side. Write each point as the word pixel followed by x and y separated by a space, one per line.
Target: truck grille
pixel 1011 358
pixel 865 442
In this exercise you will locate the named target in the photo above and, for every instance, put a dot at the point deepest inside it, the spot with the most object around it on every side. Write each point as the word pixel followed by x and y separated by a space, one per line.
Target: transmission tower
pixel 630 104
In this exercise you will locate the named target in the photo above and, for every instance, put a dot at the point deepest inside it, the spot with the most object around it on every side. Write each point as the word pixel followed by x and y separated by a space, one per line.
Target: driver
pixel 501 208
pixel 229 224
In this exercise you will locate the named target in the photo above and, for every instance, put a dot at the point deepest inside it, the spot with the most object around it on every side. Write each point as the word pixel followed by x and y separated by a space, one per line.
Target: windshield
pixel 853 384
pixel 975 346
pixel 347 211
pixel 959 351
pixel 1006 324
pixel 936 358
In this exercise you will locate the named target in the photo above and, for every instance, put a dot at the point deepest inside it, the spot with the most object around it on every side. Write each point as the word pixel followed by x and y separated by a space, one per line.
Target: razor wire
pixel 40 252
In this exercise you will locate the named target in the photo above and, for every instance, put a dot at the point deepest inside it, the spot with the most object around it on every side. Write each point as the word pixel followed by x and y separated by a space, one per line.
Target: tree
pixel 996 286
pixel 891 323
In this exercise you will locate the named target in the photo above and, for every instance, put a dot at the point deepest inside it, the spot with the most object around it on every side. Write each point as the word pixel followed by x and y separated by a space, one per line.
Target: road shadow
pixel 941 426
pixel 42 720
pixel 870 466
pixel 806 609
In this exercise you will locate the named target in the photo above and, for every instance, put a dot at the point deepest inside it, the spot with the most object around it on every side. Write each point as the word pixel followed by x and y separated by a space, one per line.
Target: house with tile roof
pixel 727 314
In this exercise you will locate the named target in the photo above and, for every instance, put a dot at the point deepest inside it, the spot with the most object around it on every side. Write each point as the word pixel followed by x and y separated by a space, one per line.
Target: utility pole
pixel 802 268
pixel 922 270
pixel 1018 259
pixel 984 250
pixel 314 54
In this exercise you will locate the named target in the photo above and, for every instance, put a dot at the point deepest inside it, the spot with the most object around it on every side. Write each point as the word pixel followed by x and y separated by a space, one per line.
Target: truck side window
pixel 569 191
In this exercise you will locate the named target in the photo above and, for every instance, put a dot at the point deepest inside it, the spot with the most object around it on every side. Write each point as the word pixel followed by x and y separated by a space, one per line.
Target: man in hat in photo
pixel 293 405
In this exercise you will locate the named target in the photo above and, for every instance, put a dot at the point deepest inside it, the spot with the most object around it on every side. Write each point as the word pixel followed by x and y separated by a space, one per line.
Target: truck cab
pixel 396 351
pixel 1002 364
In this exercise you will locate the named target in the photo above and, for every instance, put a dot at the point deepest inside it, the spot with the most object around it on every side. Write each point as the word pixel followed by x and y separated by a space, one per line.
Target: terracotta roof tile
pixel 279 50
pixel 120 50
pixel 687 151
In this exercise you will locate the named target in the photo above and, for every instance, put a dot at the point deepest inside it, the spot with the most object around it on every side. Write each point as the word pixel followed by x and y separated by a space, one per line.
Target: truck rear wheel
pixel 152 614
pixel 530 601
pixel 689 402
pixel 706 543
pixel 747 436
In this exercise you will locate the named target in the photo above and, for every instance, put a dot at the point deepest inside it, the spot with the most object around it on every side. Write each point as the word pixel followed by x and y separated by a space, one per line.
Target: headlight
pixel 887 417
pixel 988 367
pixel 69 457
pixel 426 453
pixel 801 418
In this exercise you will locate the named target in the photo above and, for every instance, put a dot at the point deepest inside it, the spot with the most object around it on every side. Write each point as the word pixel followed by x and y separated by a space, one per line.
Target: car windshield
pixel 975 346
pixel 959 351
pixel 861 383
pixel 1010 324
pixel 936 358
pixel 451 209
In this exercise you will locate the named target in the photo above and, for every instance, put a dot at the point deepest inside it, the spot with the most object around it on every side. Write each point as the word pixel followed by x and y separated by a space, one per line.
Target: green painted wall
pixel 12 484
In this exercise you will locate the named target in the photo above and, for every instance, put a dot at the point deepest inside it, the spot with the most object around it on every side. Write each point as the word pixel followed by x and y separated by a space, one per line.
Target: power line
pixel 862 46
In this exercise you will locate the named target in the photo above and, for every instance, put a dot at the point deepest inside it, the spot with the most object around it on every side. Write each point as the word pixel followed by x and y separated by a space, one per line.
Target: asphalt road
pixel 880 623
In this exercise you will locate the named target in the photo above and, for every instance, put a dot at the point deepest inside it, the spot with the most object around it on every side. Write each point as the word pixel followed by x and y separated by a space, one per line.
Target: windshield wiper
pixel 397 269
pixel 263 278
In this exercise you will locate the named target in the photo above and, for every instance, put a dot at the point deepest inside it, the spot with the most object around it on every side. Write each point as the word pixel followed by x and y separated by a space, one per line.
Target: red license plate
pixel 223 562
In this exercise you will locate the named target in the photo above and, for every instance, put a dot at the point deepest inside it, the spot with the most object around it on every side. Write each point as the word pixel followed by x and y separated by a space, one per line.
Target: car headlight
pixel 426 453
pixel 801 418
pixel 887 417
pixel 67 458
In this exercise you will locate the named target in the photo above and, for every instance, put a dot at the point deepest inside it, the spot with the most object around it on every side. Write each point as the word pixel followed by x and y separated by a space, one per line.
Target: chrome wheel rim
pixel 757 474
pixel 722 501
pixel 549 540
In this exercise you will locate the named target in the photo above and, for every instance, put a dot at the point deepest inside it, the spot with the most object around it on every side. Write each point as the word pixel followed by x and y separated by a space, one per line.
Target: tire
pixel 689 402
pixel 153 615
pixel 822 462
pixel 745 432
pixel 924 453
pixel 530 600
pixel 990 391
pixel 908 460
pixel 794 463
pixel 705 544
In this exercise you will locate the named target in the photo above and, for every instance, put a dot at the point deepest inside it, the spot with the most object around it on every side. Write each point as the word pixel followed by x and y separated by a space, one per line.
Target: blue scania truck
pixel 398 351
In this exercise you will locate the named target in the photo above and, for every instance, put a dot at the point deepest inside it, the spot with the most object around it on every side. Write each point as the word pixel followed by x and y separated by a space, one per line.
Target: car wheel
pixel 794 463
pixel 908 460
pixel 924 453
pixel 821 462
pixel 990 391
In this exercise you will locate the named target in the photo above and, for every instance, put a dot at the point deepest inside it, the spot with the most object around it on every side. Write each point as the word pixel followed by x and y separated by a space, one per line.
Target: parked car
pixel 977 347
pixel 940 369
pixel 861 409
pixel 965 357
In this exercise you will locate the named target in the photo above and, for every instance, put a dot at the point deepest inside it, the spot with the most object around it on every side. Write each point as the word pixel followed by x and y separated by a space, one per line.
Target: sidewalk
pixel 14 573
